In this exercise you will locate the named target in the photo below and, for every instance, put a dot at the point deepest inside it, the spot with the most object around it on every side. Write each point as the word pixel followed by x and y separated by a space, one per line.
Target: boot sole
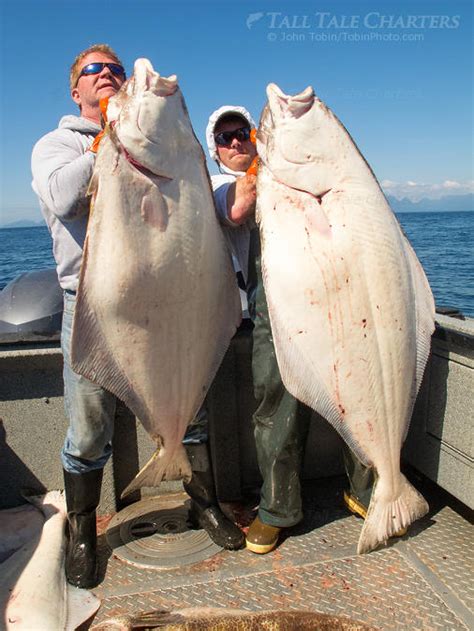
pixel 260 548
pixel 83 583
pixel 354 505
pixel 196 522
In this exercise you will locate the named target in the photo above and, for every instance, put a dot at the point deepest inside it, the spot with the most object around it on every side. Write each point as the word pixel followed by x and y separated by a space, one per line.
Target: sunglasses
pixel 224 138
pixel 97 66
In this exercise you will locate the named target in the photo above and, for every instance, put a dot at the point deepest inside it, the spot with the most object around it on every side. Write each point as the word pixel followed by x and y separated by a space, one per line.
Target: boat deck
pixel 424 580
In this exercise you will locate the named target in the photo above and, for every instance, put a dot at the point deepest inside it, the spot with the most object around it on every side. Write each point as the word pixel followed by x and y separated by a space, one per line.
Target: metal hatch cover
pixel 153 533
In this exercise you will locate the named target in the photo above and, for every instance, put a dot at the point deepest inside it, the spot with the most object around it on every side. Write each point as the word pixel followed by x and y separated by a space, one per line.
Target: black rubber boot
pixel 205 511
pixel 82 499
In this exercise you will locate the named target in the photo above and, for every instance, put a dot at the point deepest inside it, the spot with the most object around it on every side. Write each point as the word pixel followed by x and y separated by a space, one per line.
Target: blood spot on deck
pixel 327 582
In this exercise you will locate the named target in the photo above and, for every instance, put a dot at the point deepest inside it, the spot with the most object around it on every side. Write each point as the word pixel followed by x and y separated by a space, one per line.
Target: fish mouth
pixel 146 79
pixel 288 106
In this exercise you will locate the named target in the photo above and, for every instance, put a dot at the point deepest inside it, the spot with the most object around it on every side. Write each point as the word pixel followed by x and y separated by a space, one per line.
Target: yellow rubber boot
pixel 262 538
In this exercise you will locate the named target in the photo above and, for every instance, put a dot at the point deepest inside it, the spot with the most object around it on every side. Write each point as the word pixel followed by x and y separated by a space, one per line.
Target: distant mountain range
pixel 448 203
pixel 23 223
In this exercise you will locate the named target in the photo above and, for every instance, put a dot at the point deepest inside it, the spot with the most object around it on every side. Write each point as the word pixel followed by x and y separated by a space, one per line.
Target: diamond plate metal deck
pixel 424 581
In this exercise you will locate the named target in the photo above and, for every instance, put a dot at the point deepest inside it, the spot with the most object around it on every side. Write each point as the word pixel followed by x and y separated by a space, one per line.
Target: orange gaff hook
pixel 253 168
pixel 103 103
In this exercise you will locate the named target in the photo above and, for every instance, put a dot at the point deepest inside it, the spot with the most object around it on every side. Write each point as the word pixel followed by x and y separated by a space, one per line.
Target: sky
pixel 397 73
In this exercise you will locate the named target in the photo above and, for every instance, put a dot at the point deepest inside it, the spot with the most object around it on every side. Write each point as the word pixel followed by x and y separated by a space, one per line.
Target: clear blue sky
pixel 405 95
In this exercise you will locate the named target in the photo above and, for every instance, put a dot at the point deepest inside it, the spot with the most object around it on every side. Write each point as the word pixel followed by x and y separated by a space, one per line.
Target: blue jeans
pixel 89 408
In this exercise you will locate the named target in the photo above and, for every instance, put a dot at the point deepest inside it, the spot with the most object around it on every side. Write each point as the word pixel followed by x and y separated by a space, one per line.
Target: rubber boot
pixel 262 538
pixel 361 480
pixel 82 499
pixel 205 511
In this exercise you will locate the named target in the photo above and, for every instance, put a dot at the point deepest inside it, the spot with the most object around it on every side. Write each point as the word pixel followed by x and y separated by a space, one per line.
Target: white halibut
pixel 350 307
pixel 33 589
pixel 158 301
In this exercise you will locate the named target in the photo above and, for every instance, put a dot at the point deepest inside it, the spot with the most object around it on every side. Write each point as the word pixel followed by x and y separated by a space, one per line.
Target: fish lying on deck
pixel 33 589
pixel 350 307
pixel 158 301
pixel 203 618
pixel 18 526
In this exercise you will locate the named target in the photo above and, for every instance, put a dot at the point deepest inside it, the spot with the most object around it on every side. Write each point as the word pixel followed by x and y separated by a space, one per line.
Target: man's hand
pixel 241 198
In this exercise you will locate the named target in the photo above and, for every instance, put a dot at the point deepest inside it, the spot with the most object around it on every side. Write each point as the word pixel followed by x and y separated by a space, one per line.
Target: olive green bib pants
pixel 281 423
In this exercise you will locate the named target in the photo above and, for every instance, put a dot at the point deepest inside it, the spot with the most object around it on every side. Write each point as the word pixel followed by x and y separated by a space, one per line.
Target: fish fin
pixel 384 518
pixel 155 619
pixel 154 210
pixel 81 605
pixel 91 357
pixel 425 314
pixel 93 185
pixel 180 467
pixel 159 468
pixel 316 220
pixel 425 321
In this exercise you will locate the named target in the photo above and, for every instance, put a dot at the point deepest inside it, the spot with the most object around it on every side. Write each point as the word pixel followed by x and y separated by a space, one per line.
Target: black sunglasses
pixel 97 66
pixel 224 138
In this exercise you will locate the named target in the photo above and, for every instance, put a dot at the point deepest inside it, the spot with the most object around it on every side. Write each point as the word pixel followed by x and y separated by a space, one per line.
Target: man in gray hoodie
pixel 62 164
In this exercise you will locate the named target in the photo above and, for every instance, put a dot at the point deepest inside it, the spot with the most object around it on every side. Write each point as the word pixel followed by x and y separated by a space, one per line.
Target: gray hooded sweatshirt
pixel 62 168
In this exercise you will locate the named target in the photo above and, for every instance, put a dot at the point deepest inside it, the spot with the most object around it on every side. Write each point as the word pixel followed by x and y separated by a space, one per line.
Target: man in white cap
pixel 280 421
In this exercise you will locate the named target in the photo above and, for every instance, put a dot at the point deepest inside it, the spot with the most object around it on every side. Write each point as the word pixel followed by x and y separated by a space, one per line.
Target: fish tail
pixel 386 518
pixel 161 467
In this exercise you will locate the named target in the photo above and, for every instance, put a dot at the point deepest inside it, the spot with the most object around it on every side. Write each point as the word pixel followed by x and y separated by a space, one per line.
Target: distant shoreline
pixel 15 225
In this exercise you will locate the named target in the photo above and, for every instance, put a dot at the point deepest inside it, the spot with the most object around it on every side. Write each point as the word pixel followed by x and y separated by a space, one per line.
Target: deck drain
pixel 153 533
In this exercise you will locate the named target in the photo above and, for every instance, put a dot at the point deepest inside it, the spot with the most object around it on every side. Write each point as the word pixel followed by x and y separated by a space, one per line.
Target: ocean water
pixel 444 243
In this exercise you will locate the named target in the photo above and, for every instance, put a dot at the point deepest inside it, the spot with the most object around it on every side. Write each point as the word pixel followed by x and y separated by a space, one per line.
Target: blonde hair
pixel 76 66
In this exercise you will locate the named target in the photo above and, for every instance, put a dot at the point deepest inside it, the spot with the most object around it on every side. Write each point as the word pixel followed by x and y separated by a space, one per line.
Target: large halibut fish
pixel 350 307
pixel 158 300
